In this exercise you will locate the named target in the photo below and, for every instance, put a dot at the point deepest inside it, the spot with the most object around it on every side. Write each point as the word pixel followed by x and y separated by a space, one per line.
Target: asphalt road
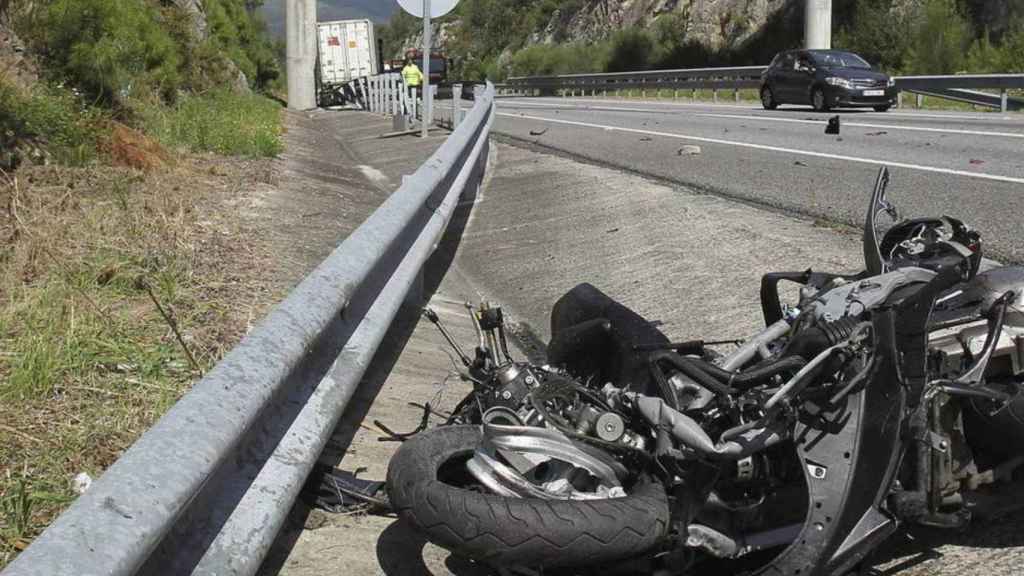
pixel 967 165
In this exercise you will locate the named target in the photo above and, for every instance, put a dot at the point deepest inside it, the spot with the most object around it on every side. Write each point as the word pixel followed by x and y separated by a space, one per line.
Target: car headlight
pixel 841 82
pixel 891 83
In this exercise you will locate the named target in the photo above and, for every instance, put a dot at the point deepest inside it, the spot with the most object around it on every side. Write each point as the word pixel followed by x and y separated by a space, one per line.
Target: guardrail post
pixel 1002 100
pixel 675 94
pixel 693 94
pixel 714 95
pixel 736 94
pixel 456 105
pixel 899 99
pixel 919 100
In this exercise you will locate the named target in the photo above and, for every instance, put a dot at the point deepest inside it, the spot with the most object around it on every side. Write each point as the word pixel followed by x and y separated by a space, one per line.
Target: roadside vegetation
pixel 496 39
pixel 127 127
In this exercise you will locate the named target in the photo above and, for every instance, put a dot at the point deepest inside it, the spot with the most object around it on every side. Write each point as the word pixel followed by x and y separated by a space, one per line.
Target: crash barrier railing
pixel 387 94
pixel 955 87
pixel 207 488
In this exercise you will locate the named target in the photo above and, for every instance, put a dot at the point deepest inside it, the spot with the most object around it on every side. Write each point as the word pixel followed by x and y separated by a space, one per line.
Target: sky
pixel 377 10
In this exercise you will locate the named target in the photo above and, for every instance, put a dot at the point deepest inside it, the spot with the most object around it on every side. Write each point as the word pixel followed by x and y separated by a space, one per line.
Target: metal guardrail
pixel 207 488
pixel 952 87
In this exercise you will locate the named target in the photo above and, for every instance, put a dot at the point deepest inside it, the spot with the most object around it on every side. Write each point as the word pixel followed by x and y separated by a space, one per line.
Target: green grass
pixel 86 362
pixel 50 119
pixel 222 122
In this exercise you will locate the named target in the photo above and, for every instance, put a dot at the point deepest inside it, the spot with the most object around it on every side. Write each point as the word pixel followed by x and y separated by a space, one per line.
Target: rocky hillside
pixel 487 37
pixel 714 24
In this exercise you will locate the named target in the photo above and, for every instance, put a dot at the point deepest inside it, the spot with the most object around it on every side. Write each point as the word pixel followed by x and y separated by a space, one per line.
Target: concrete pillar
pixel 300 35
pixel 818 24
pixel 456 105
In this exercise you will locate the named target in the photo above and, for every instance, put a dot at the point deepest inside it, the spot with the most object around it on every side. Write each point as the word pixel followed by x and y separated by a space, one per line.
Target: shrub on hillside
pixel 879 33
pixel 47 118
pixel 940 39
pixel 547 59
pixel 631 49
pixel 110 48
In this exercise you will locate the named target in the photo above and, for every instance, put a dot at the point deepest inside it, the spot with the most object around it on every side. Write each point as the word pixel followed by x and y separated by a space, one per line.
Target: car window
pixel 840 60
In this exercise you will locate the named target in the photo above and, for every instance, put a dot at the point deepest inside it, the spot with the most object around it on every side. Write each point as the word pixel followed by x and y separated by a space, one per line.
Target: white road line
pixel 865 125
pixel 751 106
pixel 858 159
pixel 756 117
pixel 986 116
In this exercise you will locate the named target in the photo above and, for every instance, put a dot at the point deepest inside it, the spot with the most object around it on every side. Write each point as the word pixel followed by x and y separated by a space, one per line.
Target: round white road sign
pixel 438 8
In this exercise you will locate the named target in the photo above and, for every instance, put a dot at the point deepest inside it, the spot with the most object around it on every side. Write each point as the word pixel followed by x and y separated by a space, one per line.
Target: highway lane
pixel 969 165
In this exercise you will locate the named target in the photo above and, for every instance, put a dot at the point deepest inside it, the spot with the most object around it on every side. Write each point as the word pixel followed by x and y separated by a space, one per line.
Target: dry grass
pixel 87 363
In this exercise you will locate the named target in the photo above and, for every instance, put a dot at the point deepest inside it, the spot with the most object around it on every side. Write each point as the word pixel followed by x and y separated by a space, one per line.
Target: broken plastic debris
pixel 833 125
pixel 81 483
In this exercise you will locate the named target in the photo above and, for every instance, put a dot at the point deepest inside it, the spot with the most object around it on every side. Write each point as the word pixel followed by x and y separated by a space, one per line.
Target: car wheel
pixel 768 99
pixel 882 108
pixel 818 100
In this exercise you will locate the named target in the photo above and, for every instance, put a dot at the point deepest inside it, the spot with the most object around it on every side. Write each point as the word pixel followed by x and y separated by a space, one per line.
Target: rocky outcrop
pixel 200 31
pixel 194 8
pixel 713 23
pixel 16 67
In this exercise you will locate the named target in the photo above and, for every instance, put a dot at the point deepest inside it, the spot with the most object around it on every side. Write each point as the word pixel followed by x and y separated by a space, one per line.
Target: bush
pixel 631 49
pixel 111 48
pixel 51 118
pixel 223 122
pixel 940 39
pixel 879 34
pixel 986 57
pixel 551 59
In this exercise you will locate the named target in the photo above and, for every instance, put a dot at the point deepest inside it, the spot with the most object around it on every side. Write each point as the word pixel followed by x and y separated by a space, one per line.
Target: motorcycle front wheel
pixel 429 486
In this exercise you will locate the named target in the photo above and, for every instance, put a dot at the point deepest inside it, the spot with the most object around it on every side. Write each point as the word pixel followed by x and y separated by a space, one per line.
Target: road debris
pixel 833 125
pixel 539 132
pixel 341 491
pixel 879 133
pixel 689 150
pixel 81 482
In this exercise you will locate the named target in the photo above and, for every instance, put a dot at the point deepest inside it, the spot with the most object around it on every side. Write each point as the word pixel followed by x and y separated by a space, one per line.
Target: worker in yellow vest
pixel 411 74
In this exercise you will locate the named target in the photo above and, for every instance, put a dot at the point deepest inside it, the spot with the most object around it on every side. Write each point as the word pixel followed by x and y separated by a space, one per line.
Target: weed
pixel 222 122
pixel 87 362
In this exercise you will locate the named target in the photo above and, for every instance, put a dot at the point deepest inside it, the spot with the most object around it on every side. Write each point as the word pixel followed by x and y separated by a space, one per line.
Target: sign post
pixel 428 94
pixel 427 9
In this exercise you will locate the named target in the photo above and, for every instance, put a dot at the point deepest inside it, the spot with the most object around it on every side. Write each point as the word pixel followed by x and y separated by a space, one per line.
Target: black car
pixel 825 79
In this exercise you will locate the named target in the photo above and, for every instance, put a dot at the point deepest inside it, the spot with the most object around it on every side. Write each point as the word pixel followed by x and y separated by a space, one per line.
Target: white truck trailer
pixel 346 50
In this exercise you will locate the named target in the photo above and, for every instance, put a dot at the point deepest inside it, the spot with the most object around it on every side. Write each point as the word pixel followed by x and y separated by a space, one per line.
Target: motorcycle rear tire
pixel 514 531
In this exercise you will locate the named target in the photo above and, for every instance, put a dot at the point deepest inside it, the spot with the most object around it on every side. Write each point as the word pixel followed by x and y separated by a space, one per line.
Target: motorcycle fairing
pixel 850 454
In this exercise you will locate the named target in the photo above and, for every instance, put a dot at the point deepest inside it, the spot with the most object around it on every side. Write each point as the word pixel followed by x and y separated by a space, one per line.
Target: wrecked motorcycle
pixel 882 397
